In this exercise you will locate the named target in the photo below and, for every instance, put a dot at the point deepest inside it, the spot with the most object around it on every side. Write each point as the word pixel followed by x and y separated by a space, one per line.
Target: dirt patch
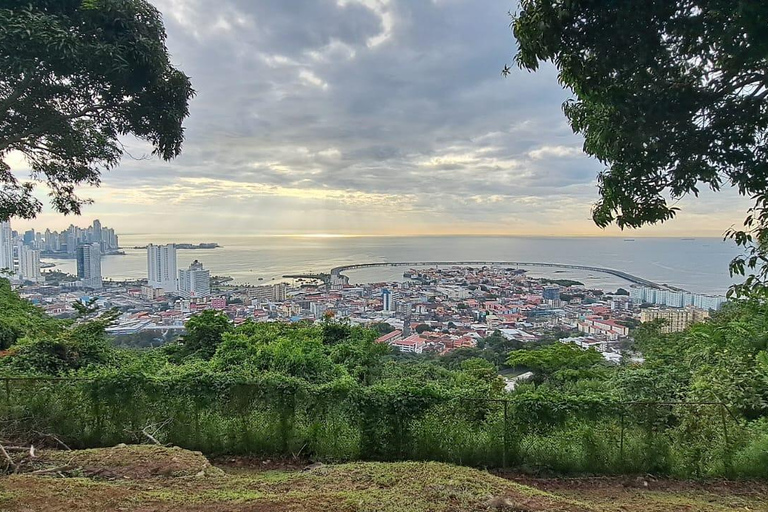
pixel 129 462
pixel 251 464
pixel 645 482
pixel 649 494
pixel 149 478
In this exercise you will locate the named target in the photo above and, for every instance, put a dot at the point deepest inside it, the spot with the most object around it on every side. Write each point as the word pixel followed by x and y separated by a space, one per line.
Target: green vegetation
pixel 670 97
pixel 565 283
pixel 75 76
pixel 329 392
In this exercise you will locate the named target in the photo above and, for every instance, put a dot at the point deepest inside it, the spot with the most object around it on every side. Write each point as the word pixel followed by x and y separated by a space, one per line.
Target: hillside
pixel 150 478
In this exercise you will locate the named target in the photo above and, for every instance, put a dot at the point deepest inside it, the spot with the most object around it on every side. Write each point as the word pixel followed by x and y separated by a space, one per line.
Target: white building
pixel 676 299
pixel 387 301
pixel 89 265
pixel 194 282
pixel 454 292
pixel 29 264
pixel 161 267
pixel 6 247
pixel 268 293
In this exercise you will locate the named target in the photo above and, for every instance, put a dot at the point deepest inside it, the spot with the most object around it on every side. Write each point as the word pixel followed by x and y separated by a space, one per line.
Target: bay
pixel 697 265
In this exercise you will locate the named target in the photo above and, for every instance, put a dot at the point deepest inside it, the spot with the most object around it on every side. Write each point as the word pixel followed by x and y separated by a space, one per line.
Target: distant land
pixel 67 256
pixel 189 246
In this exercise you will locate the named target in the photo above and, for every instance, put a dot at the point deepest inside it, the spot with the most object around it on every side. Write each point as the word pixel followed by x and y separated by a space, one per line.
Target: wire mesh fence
pixel 562 434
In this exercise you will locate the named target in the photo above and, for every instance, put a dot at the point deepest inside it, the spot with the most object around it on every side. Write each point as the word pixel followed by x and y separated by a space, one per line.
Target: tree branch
pixel 21 88
pixel 5 144
pixel 11 464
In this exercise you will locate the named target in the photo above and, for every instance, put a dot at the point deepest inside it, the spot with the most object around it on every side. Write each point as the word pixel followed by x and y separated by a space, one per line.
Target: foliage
pixel 422 328
pixel 75 76
pixel 330 392
pixel 382 328
pixel 566 283
pixel 19 318
pixel 77 347
pixel 670 95
pixel 205 333
pixel 559 360
pixel 722 360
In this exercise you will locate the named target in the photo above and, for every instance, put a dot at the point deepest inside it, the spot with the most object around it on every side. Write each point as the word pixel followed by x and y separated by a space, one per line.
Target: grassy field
pixel 148 478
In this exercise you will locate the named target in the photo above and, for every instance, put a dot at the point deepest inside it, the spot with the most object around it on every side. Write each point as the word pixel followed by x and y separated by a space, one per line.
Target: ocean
pixel 698 265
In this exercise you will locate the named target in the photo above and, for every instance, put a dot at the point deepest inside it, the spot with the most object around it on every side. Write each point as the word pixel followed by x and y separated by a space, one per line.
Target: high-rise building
pixel 96 232
pixel 269 293
pixel 89 265
pixel 73 239
pixel 161 267
pixel 6 247
pixel 194 282
pixel 676 320
pixel 387 301
pixel 29 264
pixel 551 293
pixel 676 299
pixel 29 237
pixel 109 239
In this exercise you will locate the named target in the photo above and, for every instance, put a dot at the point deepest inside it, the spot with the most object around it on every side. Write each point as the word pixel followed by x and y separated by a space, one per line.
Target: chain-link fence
pixel 280 418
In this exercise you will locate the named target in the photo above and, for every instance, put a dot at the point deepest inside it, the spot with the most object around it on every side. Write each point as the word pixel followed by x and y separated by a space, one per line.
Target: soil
pixel 153 478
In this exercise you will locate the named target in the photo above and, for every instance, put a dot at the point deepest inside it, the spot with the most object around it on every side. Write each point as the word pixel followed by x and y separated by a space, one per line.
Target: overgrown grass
pixel 671 441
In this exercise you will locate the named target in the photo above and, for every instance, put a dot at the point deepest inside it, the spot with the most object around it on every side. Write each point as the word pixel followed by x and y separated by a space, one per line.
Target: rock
pixel 314 466
pixel 502 503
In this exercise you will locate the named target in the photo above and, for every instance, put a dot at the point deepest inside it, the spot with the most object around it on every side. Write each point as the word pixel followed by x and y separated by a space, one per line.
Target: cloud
pixel 360 116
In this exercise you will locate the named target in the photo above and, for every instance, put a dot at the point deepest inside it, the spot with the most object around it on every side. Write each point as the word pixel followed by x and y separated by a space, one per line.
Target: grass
pixel 157 479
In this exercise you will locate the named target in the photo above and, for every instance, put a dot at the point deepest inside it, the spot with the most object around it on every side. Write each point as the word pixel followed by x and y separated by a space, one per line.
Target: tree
pixel 382 328
pixel 205 332
pixel 421 328
pixel 670 95
pixel 559 358
pixel 75 76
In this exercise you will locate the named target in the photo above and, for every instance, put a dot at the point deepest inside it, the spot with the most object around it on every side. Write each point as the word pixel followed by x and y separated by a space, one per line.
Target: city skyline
pixel 383 118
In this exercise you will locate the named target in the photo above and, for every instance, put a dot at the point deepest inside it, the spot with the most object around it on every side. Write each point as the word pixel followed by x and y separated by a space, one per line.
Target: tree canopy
pixel 75 76
pixel 671 96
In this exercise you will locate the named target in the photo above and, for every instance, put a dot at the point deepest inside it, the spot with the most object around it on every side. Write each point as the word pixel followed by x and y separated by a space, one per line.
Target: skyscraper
pixel 73 238
pixel 6 247
pixel 96 232
pixel 89 265
pixel 29 264
pixel 551 293
pixel 386 299
pixel 194 282
pixel 161 267
pixel 29 237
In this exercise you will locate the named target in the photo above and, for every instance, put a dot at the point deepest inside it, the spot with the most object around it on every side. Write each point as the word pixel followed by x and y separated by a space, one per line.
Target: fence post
pixel 99 426
pixel 8 391
pixel 197 424
pixel 506 434
pixel 621 441
pixel 727 459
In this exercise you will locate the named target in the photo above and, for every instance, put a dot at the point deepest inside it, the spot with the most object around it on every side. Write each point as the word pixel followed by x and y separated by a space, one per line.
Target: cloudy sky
pixel 363 117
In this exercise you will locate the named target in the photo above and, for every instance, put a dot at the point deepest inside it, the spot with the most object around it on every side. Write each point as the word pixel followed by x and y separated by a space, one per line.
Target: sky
pixel 363 117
